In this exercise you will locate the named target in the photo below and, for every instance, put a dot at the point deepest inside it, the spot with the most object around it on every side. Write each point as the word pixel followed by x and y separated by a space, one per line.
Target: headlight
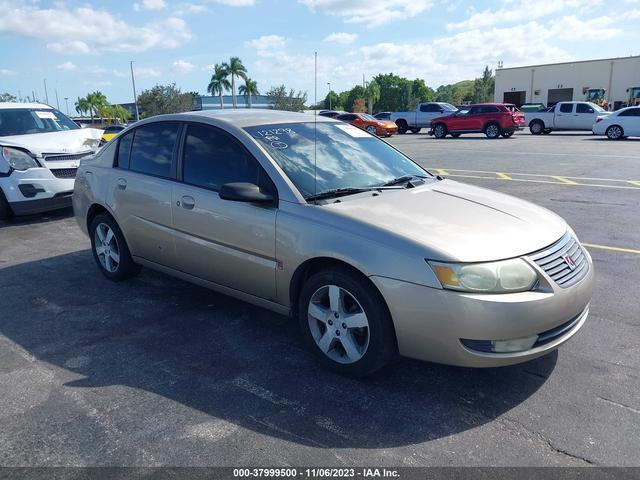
pixel 18 159
pixel 496 277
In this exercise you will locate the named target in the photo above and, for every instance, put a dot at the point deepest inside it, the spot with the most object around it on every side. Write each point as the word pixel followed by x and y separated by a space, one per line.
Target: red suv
pixel 492 119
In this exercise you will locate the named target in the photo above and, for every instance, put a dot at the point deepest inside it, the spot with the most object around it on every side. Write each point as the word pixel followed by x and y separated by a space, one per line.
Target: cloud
pixel 99 30
pixel 182 66
pixel 236 3
pixel 342 38
pixel 371 12
pixel 7 72
pixel 67 67
pixel 190 9
pixel 150 5
pixel 267 42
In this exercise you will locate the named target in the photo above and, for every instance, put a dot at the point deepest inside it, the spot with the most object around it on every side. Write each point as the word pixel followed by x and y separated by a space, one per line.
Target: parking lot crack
pixel 618 404
pixel 547 442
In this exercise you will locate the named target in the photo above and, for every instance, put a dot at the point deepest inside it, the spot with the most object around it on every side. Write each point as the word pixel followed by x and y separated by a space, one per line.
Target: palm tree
pixel 372 93
pixel 82 106
pixel 249 88
pixel 96 100
pixel 219 82
pixel 235 68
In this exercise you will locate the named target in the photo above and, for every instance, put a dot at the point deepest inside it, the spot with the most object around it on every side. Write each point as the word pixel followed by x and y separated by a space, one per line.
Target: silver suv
pixel 373 255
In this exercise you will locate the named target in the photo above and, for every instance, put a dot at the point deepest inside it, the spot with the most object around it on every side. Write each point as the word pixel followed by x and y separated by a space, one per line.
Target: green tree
pixel 331 101
pixel 7 97
pixel 372 94
pixel 279 99
pixel 219 82
pixel 483 87
pixel 249 89
pixel 235 68
pixel 353 94
pixel 82 105
pixel 165 99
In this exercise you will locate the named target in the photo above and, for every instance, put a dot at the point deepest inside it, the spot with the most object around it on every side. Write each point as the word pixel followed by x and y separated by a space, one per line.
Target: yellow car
pixel 110 132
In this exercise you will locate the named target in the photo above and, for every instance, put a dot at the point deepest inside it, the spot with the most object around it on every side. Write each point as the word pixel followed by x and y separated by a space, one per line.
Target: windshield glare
pixel 596 107
pixel 366 116
pixel 24 121
pixel 346 156
pixel 448 107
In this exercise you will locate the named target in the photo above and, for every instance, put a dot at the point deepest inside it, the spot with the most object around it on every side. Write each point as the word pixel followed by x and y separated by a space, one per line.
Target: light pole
pixel 135 97
pixel 66 100
pixel 46 94
pixel 329 83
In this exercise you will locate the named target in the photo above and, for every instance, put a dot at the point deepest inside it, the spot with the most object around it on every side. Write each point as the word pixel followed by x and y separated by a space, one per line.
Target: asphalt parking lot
pixel 160 372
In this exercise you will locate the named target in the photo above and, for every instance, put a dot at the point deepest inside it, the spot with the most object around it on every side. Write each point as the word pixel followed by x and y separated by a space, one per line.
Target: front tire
pixel 492 130
pixel 5 208
pixel 415 130
pixel 455 135
pixel 507 134
pixel 615 132
pixel 110 250
pixel 346 323
pixel 440 130
pixel 371 129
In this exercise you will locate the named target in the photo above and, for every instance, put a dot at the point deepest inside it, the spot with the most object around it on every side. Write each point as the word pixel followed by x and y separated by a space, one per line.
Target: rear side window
pixel 124 151
pixel 632 112
pixel 152 148
pixel 584 108
pixel 346 118
pixel 212 158
pixel 566 108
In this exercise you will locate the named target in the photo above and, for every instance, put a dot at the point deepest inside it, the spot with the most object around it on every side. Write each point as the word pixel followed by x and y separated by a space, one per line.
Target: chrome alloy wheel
pixel 371 129
pixel 107 248
pixel 338 324
pixel 614 132
pixel 493 131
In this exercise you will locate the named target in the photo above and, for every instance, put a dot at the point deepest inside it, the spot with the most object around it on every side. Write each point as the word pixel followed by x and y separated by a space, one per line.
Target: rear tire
pixel 546 131
pixel 415 130
pixel 492 130
pixel 346 323
pixel 614 132
pixel 507 134
pixel 5 209
pixel 110 250
pixel 402 126
pixel 440 130
pixel 455 135
pixel 536 127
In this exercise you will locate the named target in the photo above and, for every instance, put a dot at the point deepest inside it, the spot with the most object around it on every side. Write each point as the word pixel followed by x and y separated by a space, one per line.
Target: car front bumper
pixel 36 190
pixel 431 323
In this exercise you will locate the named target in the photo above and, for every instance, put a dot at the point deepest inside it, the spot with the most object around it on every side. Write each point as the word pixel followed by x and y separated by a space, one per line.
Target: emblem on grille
pixel 569 261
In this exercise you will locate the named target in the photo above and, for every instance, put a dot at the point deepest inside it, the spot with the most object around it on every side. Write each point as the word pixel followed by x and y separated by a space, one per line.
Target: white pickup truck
pixel 564 116
pixel 421 117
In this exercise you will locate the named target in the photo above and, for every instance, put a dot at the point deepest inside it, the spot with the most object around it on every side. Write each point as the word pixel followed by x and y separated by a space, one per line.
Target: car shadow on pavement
pixel 234 362
pixel 45 217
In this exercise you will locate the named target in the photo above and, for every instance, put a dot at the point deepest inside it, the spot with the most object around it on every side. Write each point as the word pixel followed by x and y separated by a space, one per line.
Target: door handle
pixel 122 183
pixel 188 202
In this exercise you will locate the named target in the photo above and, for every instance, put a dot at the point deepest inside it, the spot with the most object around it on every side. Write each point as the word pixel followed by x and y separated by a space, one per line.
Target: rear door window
pixel 153 147
pixel 566 107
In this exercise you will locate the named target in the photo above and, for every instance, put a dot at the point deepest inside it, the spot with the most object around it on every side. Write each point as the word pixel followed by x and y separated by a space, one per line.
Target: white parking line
pixel 545 154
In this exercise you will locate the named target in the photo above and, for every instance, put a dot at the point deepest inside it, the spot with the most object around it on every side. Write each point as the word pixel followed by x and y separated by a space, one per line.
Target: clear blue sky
pixel 86 45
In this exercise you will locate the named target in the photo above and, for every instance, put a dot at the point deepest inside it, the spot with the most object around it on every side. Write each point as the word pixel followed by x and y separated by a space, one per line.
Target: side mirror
pixel 441 111
pixel 245 192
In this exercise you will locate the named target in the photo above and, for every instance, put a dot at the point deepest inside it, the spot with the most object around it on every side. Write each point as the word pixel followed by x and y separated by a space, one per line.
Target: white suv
pixel 40 150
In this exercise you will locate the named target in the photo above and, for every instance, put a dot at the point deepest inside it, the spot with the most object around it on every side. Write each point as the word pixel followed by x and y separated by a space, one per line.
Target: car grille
pixel 64 172
pixel 54 157
pixel 564 261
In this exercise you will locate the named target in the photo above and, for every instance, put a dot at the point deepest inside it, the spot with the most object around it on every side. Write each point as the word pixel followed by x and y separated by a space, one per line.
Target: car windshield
pixel 342 155
pixel 597 108
pixel 448 107
pixel 23 121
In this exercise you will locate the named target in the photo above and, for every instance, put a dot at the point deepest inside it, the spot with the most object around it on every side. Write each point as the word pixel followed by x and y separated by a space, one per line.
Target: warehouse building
pixel 613 82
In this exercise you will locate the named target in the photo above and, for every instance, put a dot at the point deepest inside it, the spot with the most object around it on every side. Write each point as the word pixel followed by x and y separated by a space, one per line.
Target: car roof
pixel 19 105
pixel 253 117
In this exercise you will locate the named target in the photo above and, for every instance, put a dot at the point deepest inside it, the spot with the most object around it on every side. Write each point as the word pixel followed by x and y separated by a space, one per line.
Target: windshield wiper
pixel 338 192
pixel 403 179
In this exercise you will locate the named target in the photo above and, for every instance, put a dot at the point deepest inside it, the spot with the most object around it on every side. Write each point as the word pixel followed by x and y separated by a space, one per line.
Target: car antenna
pixel 315 124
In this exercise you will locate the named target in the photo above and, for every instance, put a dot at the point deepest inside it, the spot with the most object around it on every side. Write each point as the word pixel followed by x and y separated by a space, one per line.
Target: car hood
pixel 458 222
pixel 69 141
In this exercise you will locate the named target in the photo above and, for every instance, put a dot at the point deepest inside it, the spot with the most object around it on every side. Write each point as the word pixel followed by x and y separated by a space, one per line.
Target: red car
pixel 492 119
